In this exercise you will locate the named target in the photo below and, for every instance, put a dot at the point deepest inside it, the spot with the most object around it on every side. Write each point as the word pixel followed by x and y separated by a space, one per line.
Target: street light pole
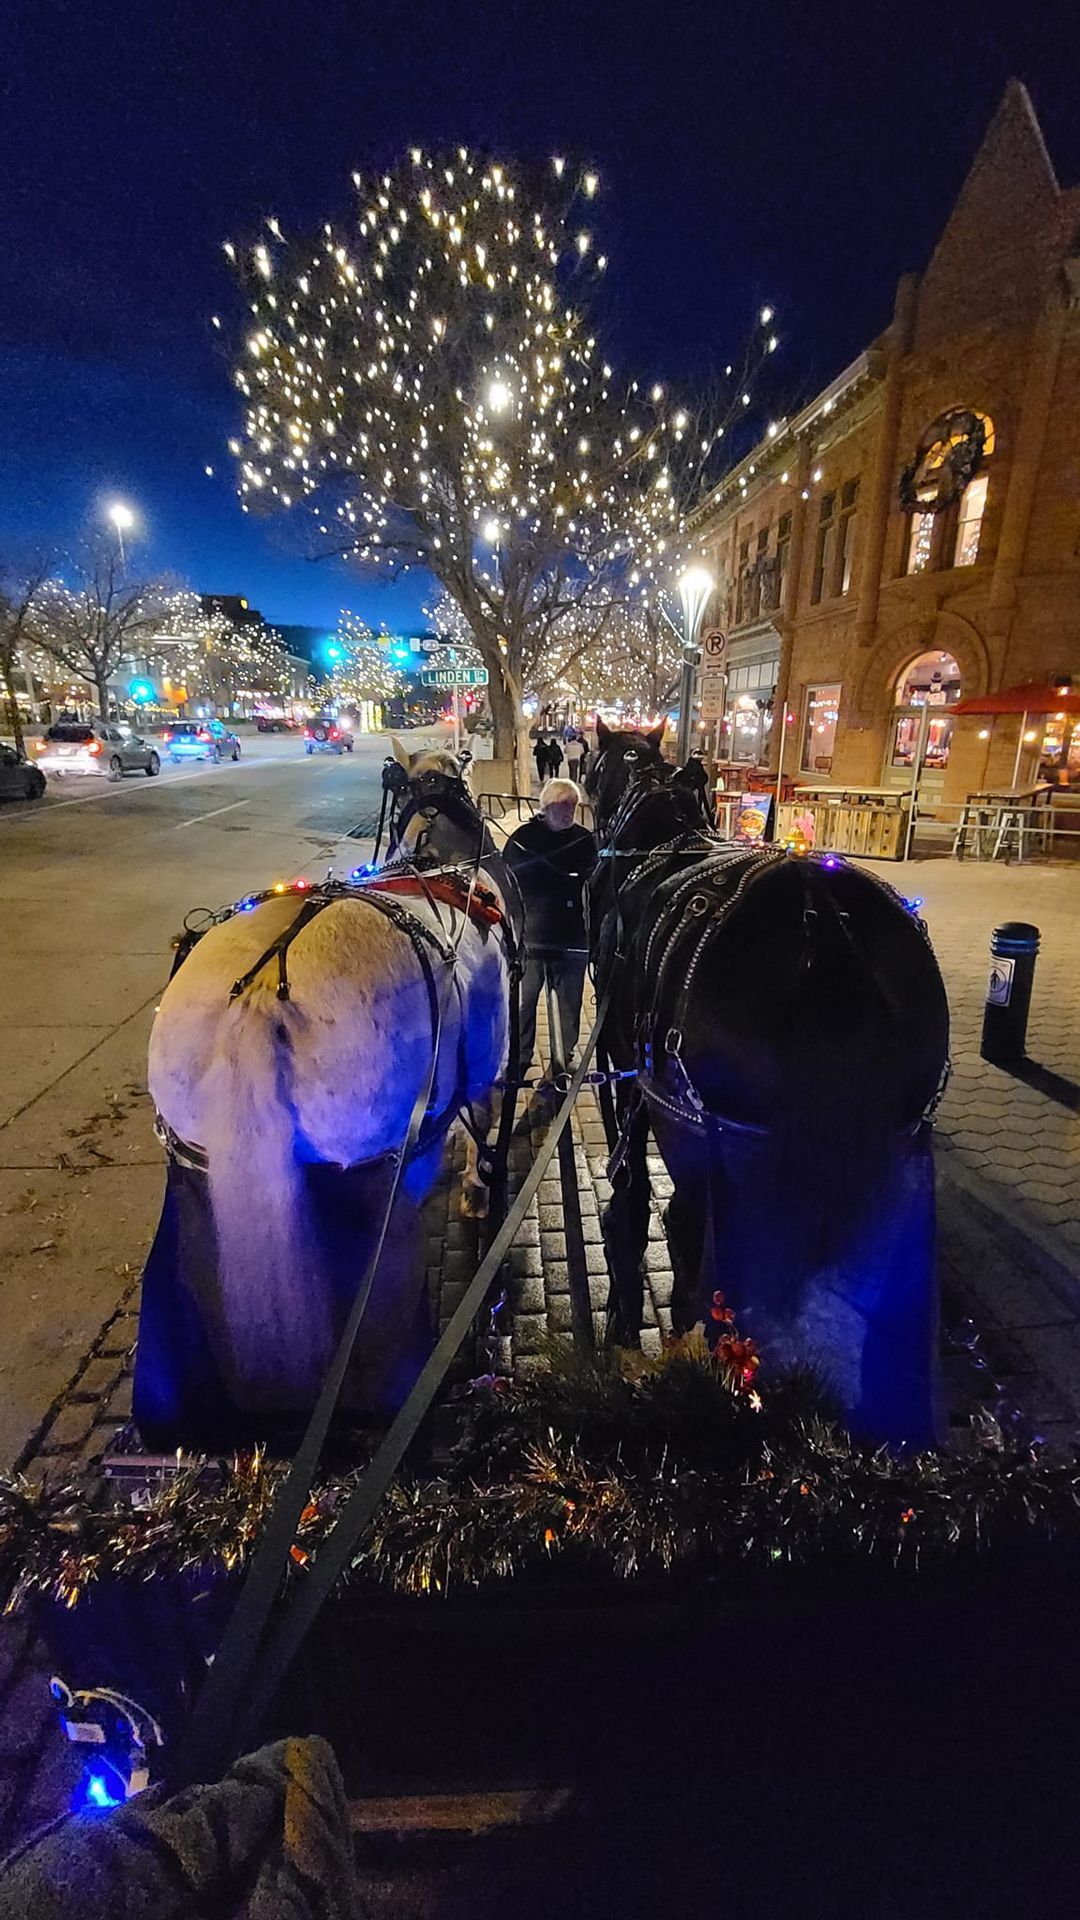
pixel 696 586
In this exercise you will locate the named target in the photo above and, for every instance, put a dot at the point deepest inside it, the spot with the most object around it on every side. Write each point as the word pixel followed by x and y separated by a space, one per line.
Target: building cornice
pixel 825 408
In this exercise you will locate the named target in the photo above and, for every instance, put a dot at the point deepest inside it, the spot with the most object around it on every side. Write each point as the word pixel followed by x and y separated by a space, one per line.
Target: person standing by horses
pixel 575 755
pixel 552 859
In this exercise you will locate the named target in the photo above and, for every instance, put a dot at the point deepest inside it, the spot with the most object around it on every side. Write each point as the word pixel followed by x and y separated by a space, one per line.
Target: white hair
pixel 560 793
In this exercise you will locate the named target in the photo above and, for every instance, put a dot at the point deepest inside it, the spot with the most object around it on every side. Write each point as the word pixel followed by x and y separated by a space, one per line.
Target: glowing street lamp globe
pixel 491 531
pixel 695 587
pixel 499 396
pixel 122 517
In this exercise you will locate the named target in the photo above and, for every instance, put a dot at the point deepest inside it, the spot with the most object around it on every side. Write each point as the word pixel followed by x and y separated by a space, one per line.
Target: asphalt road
pixel 94 883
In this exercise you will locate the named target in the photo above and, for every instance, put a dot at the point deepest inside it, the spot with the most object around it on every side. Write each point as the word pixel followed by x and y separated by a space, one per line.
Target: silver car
pixel 94 746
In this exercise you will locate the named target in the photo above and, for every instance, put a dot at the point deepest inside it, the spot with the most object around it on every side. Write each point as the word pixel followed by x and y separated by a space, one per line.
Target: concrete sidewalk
pixel 1018 1148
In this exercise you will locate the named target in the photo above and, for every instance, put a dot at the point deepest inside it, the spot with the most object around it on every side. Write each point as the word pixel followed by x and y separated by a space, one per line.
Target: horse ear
pixel 656 734
pixel 401 754
pixel 603 734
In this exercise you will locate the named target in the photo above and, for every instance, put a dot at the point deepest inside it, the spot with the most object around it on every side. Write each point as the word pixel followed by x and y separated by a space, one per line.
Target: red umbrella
pixel 1031 696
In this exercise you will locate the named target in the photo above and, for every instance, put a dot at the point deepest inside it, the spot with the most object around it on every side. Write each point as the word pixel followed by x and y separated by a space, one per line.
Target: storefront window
pixel 932 681
pixel 1059 760
pixel 748 719
pixel 819 729
pixel 939 730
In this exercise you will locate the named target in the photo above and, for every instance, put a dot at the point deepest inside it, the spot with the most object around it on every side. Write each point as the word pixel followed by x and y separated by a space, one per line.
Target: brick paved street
pixel 1008 1155
pixel 1022 1144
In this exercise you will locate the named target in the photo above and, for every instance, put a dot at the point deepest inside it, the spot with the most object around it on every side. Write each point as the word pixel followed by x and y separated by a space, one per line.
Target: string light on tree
pixel 365 669
pixel 437 360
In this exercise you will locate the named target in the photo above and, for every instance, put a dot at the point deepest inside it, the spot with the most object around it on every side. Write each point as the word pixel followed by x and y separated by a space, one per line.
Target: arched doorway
pixel 921 722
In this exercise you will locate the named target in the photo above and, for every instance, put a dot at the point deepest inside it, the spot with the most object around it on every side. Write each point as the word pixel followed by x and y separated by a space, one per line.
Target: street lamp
pixel 696 586
pixel 123 520
pixel 499 396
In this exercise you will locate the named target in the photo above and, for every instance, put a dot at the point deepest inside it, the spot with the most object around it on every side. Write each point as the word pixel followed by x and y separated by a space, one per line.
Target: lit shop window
pixel 819 729
pixel 969 524
pixel 933 681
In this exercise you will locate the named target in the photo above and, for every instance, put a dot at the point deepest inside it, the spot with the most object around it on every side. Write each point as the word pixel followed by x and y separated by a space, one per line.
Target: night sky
pixel 799 154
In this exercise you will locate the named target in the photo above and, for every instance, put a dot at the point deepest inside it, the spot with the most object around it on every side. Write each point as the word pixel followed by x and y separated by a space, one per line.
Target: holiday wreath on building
pixel 947 457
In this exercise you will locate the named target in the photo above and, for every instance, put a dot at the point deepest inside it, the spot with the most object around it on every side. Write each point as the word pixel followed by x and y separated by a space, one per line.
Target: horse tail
pixel 268 1254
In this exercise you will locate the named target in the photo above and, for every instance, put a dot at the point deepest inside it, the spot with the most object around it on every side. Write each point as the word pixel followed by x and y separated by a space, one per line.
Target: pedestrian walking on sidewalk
pixel 575 754
pixel 553 858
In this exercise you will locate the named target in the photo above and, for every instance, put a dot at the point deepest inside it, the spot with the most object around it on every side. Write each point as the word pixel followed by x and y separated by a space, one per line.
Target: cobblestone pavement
pixel 1008 1152
pixel 1023 1143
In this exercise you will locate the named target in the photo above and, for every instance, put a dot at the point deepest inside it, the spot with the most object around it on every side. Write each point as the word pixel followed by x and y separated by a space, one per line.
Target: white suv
pixel 72 746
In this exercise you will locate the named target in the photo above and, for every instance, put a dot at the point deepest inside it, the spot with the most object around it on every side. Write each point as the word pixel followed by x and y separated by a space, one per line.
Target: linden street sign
pixel 455 676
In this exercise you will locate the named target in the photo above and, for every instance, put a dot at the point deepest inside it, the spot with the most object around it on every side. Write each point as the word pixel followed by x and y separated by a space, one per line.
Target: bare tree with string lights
pixel 20 596
pixel 98 617
pixel 364 669
pixel 429 380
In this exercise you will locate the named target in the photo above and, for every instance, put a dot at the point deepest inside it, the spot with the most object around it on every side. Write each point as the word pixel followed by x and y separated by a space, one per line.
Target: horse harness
pixel 452 887
pixel 692 909
pixel 672 939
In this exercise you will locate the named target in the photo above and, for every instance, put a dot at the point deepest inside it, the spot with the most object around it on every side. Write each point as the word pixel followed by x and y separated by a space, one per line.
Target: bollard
pixel 1014 949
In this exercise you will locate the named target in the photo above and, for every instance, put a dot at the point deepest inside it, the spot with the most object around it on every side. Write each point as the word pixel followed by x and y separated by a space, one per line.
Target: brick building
pixel 912 537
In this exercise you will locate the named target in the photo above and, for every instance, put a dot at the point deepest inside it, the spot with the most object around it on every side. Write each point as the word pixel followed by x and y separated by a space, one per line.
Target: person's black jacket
pixel 551 868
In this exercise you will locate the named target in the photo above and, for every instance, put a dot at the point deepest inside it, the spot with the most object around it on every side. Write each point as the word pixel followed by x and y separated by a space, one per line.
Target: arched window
pixel 924 695
pixel 933 680
pixel 944 490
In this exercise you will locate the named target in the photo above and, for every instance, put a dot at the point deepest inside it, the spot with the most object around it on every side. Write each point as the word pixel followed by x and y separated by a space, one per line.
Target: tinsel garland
pixel 684 1474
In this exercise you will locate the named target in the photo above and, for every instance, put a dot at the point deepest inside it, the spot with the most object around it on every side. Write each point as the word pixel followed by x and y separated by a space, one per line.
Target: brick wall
pixel 990 333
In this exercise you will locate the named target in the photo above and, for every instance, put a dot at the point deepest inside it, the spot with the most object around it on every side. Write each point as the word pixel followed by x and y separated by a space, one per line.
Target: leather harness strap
pixel 453 889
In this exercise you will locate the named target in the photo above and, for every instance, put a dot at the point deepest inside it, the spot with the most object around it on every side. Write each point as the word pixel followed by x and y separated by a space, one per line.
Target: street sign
pixel 713 650
pixel 454 676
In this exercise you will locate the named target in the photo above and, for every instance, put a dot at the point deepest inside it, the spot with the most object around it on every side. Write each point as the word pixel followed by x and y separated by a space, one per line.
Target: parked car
pixel 200 740
pixel 18 779
pixel 94 746
pixel 325 736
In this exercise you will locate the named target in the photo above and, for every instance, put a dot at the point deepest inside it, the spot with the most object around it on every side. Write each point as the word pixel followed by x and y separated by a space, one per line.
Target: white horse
pixel 279 1091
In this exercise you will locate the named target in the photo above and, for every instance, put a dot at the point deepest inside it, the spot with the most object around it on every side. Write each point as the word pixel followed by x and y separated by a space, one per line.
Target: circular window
pixel 933 680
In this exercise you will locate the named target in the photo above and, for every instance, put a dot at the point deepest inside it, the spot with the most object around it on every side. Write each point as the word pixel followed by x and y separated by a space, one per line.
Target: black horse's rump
pixel 790 1030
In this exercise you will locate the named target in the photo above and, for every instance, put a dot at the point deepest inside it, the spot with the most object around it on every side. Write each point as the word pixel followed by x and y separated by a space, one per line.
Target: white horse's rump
pixel 329 1075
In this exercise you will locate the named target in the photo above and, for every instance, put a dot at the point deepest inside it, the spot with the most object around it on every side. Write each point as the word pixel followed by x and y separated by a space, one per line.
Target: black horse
pixel 789 1027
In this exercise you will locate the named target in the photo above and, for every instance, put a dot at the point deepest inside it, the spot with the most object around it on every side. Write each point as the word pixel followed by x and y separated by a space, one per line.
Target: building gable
pixel 1002 238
